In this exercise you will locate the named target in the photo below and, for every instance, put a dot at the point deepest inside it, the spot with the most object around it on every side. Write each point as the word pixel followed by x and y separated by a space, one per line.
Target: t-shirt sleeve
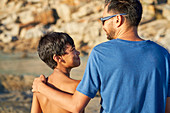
pixel 90 83
pixel 169 89
pixel 169 77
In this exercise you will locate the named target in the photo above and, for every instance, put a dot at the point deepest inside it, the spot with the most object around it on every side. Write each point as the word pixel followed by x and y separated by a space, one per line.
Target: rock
pixel 34 1
pixel 3 3
pixel 10 6
pixel 64 12
pixel 161 1
pixel 34 43
pixel 26 16
pixel 47 17
pixel 147 1
pixel 74 27
pixel 148 12
pixel 166 39
pixel 2 45
pixel 92 32
pixel 22 33
pixel 160 33
pixel 166 12
pixel 88 9
pixel 16 83
pixel 28 80
pixel 33 33
pixel 21 47
pixel 14 29
pixel 9 19
pixel 6 38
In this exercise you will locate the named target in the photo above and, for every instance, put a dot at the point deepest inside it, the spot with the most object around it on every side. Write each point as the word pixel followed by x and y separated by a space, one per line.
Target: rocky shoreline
pixel 16 95
pixel 23 22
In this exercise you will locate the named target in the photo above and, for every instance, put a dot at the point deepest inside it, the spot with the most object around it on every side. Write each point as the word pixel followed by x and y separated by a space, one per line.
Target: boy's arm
pixel 73 103
pixel 167 110
pixel 35 105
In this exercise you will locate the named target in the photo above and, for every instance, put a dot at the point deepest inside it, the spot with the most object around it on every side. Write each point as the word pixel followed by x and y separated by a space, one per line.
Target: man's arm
pixel 73 103
pixel 35 105
pixel 167 110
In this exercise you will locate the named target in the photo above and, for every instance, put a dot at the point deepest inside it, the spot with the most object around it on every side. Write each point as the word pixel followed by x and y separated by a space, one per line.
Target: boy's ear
pixel 56 58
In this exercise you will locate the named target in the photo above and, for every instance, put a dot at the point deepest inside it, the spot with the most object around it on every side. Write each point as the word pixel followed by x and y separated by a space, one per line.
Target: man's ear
pixel 56 58
pixel 119 20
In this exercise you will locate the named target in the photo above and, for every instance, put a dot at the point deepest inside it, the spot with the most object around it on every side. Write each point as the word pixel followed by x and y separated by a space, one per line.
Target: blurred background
pixel 23 22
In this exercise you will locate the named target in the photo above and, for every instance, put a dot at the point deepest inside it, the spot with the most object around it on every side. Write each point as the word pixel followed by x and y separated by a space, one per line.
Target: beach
pixel 16 79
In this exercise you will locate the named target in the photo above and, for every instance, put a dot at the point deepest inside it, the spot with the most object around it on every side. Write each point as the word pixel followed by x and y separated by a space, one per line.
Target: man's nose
pixel 77 52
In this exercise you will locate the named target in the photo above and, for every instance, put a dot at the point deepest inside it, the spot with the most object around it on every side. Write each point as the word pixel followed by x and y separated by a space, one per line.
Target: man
pixel 131 74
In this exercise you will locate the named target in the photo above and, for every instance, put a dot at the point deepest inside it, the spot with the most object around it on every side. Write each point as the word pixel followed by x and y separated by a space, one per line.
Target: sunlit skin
pixel 118 27
pixel 58 80
pixel 69 60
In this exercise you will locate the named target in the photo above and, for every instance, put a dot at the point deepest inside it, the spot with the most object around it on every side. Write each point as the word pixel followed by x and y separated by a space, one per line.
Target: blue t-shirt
pixel 132 76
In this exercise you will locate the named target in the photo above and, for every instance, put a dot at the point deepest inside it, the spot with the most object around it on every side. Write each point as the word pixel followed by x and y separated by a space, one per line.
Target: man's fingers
pixel 34 91
pixel 43 79
pixel 35 84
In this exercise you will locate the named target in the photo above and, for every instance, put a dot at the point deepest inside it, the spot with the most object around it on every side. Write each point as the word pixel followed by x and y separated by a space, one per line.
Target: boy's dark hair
pixel 132 8
pixel 53 43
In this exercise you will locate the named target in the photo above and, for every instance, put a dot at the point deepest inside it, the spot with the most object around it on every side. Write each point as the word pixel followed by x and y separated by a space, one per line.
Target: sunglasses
pixel 109 17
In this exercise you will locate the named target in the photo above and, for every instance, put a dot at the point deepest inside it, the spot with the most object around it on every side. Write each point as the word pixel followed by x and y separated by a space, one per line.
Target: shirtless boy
pixel 58 51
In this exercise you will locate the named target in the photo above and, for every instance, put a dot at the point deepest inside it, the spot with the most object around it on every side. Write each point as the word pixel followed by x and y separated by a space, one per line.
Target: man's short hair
pixel 53 43
pixel 132 8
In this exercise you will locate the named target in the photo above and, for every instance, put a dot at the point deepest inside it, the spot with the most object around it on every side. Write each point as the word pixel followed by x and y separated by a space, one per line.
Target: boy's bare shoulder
pixel 71 84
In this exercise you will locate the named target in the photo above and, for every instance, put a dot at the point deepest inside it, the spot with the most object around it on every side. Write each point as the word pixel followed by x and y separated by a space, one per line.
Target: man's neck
pixel 129 34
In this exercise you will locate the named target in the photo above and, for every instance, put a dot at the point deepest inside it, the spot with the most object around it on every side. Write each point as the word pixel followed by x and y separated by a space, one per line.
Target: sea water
pixel 31 64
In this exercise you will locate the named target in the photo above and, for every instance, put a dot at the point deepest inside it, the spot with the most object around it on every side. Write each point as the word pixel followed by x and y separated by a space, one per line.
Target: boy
pixel 58 51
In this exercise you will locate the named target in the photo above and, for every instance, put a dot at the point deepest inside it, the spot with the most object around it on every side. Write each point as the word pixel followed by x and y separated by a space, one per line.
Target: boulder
pixel 74 27
pixel 92 32
pixel 9 19
pixel 148 12
pixel 22 33
pixel 3 4
pixel 161 1
pixel 64 12
pixel 26 17
pixel 85 10
pixel 6 37
pixel 33 33
pixel 147 1
pixel 13 28
pixel 46 17
pixel 166 12
pixel 34 1
pixel 16 83
pixel 166 39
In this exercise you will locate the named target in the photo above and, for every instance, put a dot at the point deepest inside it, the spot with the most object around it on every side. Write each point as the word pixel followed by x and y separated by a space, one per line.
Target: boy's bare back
pixel 57 81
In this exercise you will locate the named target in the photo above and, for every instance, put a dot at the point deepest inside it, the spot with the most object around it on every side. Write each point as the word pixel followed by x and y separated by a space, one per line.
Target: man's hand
pixel 37 82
